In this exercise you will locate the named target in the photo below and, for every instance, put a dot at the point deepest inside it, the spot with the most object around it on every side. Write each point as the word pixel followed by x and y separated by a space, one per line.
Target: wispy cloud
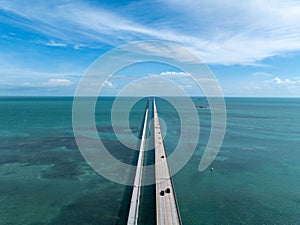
pixel 55 44
pixel 18 72
pixel 219 32
pixel 58 83
pixel 51 83
pixel 18 78
pixel 172 73
pixel 243 33
pixel 261 74
pixel 267 86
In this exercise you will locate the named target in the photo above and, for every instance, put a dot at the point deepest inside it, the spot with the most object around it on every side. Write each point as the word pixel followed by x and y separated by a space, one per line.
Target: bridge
pixel 167 211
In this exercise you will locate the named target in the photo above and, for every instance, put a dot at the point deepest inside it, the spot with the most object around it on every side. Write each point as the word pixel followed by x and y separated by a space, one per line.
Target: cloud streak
pixel 55 44
pixel 242 33
pixel 51 83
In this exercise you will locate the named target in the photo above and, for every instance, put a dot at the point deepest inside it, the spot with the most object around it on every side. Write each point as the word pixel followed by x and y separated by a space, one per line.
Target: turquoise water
pixel 45 181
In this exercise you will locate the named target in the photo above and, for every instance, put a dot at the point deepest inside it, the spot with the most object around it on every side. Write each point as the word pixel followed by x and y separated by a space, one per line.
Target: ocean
pixel 44 179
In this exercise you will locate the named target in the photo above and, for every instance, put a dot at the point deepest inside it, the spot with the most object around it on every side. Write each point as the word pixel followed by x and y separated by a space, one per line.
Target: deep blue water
pixel 44 180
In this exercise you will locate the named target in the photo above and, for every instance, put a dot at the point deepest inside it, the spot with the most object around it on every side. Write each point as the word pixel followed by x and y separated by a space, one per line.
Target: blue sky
pixel 252 47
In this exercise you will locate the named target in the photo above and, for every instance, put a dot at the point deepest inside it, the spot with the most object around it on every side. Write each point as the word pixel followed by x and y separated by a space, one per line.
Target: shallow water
pixel 44 179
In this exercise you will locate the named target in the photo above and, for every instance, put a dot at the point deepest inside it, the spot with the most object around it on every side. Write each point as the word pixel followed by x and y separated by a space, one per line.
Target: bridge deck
pixel 135 199
pixel 167 212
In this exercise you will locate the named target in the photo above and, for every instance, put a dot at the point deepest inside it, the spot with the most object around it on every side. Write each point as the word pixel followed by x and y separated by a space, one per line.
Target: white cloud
pixel 165 50
pixel 185 77
pixel 221 32
pixel 172 73
pixel 51 83
pixel 108 84
pixel 12 72
pixel 288 82
pixel 277 80
pixel 265 86
pixel 55 44
pixel 57 83
pixel 262 74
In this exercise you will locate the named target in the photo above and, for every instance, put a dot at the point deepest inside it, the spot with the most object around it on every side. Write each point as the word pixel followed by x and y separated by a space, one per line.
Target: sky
pixel 252 47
